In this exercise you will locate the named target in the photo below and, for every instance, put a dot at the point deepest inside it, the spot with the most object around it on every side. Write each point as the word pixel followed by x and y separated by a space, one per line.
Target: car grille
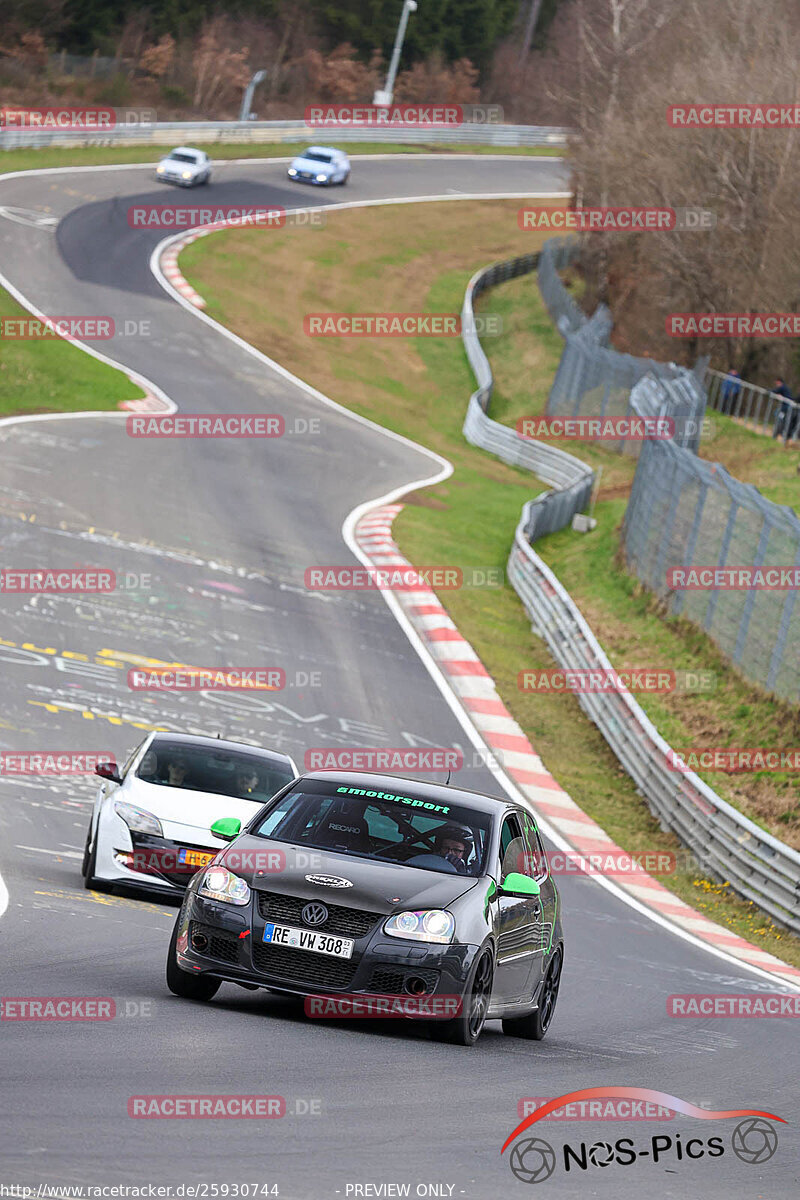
pixel 350 922
pixel 220 945
pixel 388 981
pixel 298 966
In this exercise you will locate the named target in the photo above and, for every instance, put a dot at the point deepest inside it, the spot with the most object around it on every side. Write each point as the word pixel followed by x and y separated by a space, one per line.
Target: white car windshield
pixel 206 769
pixel 318 156
pixel 179 156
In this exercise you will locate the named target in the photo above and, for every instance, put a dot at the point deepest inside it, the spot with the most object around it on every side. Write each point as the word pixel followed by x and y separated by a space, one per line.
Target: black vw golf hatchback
pixel 353 887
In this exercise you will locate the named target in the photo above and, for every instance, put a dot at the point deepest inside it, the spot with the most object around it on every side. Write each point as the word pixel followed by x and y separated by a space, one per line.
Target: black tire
pixel 85 863
pixel 536 1024
pixel 346 178
pixel 466 1028
pixel 181 983
pixel 90 866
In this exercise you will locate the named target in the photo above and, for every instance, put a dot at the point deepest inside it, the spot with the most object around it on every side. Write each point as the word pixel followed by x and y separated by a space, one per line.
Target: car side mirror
pixel 226 828
pixel 108 770
pixel 516 884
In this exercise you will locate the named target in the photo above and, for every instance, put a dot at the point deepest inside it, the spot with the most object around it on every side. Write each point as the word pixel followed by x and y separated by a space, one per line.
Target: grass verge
pixel 419 258
pixel 50 375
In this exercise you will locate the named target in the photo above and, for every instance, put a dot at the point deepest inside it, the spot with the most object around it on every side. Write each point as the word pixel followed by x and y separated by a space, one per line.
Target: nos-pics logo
pixel 533 1159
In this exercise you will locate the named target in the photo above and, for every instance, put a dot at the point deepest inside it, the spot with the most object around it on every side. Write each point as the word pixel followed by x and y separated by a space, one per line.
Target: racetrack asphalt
pixel 225 530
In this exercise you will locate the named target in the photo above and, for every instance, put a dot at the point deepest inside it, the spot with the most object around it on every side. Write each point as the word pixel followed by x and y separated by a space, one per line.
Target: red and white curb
pixel 169 265
pixel 149 403
pixel 470 681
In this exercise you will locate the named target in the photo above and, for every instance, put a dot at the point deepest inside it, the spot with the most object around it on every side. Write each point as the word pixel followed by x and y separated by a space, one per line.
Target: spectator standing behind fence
pixel 729 393
pixel 780 389
pixel 794 419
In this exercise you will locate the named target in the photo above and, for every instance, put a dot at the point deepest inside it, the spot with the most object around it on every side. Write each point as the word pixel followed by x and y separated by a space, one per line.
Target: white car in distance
pixel 185 166
pixel 320 165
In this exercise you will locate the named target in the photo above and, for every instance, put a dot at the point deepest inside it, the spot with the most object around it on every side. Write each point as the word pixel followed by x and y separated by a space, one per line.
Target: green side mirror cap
pixel 226 828
pixel 516 884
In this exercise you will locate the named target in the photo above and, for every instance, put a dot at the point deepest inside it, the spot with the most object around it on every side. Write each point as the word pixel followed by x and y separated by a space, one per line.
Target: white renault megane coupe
pixel 151 818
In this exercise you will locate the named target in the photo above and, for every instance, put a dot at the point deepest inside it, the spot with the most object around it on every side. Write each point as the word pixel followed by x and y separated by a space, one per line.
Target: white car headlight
pixel 429 925
pixel 186 174
pixel 321 178
pixel 292 170
pixel 138 818
pixel 221 884
pixel 161 169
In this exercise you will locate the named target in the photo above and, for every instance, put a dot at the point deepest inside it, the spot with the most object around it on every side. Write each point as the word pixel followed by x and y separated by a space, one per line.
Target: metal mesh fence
pixel 685 511
pixel 594 380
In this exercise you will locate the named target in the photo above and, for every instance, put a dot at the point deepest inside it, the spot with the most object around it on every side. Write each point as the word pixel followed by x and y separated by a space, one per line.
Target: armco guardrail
pixel 572 479
pixel 728 846
pixel 166 133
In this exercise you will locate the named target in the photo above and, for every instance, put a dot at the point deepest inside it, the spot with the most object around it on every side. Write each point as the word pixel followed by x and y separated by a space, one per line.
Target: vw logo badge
pixel 329 881
pixel 314 914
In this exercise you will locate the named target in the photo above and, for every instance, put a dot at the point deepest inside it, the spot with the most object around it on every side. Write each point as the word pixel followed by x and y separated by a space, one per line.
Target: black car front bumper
pixel 227 942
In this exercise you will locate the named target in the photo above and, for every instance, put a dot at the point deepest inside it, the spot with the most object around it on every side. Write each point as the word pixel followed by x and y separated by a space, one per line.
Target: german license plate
pixel 194 858
pixel 307 939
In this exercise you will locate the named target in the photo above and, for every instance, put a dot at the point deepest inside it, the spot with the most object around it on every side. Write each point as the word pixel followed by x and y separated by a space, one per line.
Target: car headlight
pixel 138 818
pixel 430 925
pixel 221 884
pixel 160 169
pixel 321 178
pixel 186 174
pixel 292 170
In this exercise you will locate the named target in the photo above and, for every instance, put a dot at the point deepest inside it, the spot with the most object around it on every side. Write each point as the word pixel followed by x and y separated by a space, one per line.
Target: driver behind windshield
pixel 246 781
pixel 177 770
pixel 454 845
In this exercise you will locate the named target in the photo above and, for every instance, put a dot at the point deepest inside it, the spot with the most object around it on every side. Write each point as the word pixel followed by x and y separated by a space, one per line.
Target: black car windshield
pixel 207 769
pixel 398 827
pixel 179 156
pixel 317 156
